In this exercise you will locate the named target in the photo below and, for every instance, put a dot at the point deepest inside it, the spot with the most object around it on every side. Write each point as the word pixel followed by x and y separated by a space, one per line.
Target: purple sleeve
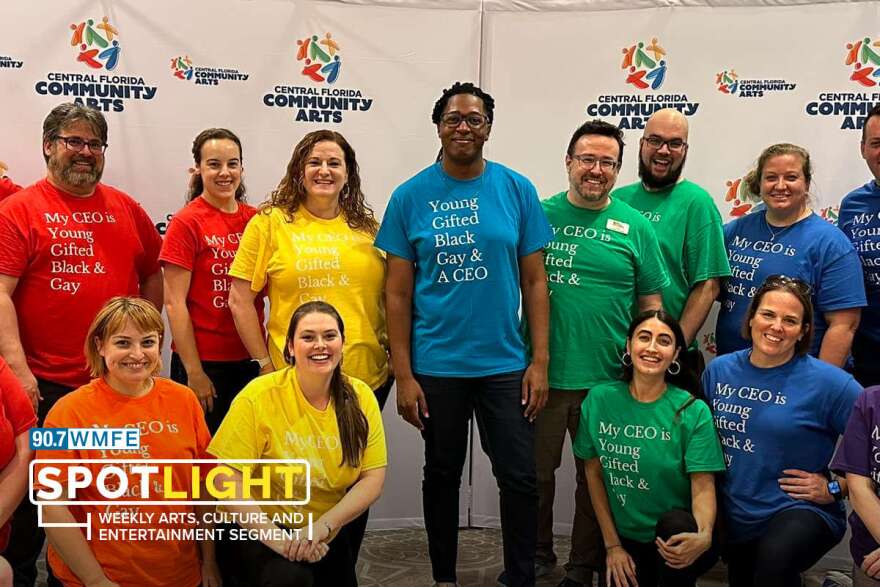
pixel 854 452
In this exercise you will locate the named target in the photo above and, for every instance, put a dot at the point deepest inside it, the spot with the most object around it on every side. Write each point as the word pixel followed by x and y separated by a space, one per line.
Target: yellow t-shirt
pixel 315 259
pixel 271 419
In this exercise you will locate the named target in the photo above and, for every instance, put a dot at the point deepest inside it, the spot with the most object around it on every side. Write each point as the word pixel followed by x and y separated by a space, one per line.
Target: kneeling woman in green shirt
pixel 651 451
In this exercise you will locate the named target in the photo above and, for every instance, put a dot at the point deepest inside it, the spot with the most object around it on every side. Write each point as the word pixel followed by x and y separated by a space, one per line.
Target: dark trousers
pixel 866 367
pixel 507 439
pixel 250 563
pixel 651 568
pixel 228 377
pixel 26 539
pixel 795 540
pixel 562 415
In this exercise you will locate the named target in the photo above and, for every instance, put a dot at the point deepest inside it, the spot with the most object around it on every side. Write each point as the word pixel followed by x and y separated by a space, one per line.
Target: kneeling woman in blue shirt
pixel 779 412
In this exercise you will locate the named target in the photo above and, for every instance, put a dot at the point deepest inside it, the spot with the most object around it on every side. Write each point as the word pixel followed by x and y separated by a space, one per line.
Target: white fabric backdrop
pixel 546 62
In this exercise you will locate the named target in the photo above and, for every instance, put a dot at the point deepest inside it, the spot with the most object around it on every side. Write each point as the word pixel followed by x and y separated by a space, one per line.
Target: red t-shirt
pixel 172 427
pixel 203 240
pixel 16 416
pixel 70 256
pixel 7 188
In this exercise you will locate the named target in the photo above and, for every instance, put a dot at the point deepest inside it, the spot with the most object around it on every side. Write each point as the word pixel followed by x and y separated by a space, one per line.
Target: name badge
pixel 617 226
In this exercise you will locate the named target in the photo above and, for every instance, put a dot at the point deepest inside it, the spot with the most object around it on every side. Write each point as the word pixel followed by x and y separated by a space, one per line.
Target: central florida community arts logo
pixel 96 44
pixel 318 60
pixel 97 52
pixel 645 66
pixel 182 68
pixel 729 82
pixel 862 59
pixel 865 62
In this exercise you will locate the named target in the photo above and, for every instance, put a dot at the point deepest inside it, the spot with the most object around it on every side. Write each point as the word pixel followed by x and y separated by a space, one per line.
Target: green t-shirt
pixel 688 227
pixel 597 265
pixel 646 452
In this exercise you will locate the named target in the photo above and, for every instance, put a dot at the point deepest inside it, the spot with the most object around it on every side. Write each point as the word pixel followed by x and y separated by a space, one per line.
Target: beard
pixel 655 182
pixel 71 176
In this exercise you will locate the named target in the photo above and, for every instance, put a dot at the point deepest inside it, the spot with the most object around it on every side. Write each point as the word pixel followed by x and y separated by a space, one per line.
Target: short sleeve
pixel 841 282
pixel 392 236
pixel 180 246
pixel 703 450
pixel 150 239
pixel 14 245
pixel 854 451
pixel 375 454
pixel 534 231
pixel 251 261
pixel 652 275
pixel 840 404
pixel 237 437
pixel 583 442
pixel 706 255
pixel 16 404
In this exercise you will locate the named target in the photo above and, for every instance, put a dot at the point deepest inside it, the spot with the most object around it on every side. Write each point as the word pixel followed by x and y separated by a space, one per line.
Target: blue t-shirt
pixel 811 249
pixel 769 420
pixel 859 220
pixel 466 239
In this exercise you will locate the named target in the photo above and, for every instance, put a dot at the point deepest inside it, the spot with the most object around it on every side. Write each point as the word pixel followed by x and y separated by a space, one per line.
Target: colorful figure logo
pixel 709 343
pixel 182 67
pixel 865 62
pixel 737 194
pixel 321 60
pixel 727 81
pixel 98 48
pixel 642 70
pixel 830 214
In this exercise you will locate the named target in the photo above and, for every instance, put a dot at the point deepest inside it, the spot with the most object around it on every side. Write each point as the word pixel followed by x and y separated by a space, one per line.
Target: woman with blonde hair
pixel 123 353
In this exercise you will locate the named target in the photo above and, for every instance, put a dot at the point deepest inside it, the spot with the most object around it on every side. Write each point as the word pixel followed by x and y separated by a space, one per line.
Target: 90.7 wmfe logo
pixel 141 499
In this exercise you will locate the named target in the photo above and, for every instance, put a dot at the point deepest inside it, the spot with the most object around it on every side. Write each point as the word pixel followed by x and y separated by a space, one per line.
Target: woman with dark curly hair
pixel 313 241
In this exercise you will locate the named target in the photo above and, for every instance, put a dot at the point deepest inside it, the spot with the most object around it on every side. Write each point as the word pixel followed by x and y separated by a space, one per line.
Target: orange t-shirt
pixel 172 427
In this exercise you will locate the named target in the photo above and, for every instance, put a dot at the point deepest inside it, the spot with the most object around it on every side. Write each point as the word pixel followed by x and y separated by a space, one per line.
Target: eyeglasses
pixel 780 280
pixel 77 144
pixel 588 162
pixel 657 143
pixel 453 119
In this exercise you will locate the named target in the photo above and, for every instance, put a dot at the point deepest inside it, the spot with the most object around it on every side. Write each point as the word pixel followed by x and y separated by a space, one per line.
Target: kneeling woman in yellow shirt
pixel 308 410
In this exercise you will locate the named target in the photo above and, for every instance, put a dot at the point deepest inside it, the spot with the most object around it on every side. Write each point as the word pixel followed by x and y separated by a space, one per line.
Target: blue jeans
pixel 507 438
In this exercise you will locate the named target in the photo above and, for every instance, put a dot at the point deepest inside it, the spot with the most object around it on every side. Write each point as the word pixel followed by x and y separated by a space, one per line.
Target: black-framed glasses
pixel 588 162
pixel 779 279
pixel 453 119
pixel 77 144
pixel 657 143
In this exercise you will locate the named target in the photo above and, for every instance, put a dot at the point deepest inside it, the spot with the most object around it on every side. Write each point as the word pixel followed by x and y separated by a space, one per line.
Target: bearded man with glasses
pixel 688 227
pixel 69 243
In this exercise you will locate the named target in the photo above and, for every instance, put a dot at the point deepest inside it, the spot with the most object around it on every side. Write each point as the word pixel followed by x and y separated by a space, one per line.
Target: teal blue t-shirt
pixel 465 239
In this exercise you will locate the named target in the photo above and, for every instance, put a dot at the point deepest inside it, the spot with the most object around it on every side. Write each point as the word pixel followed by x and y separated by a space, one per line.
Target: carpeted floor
pixel 399 558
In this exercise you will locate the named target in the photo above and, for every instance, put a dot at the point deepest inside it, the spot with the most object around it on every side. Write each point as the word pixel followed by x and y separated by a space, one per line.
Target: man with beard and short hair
pixel 688 227
pixel 69 243
pixel 604 261
pixel 859 219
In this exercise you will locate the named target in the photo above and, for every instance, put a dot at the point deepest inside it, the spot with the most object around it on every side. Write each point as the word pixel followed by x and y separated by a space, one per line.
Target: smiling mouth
pixel 650 359
pixel 772 338
pixel 319 357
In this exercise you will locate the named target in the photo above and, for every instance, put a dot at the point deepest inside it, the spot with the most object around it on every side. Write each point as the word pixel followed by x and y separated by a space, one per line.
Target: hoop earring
pixel 677 366
pixel 626 359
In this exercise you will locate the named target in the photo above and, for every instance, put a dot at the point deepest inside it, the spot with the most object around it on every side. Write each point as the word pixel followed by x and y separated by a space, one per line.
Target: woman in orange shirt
pixel 123 352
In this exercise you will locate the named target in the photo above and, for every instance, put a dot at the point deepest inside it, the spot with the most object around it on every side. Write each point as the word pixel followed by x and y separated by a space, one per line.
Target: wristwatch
pixel 834 490
pixel 263 362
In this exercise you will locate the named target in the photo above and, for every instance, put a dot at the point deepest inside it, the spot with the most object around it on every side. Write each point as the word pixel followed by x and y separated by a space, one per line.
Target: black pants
pixel 795 540
pixel 250 563
pixel 508 440
pixel 26 539
pixel 651 568
pixel 228 377
pixel 866 367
